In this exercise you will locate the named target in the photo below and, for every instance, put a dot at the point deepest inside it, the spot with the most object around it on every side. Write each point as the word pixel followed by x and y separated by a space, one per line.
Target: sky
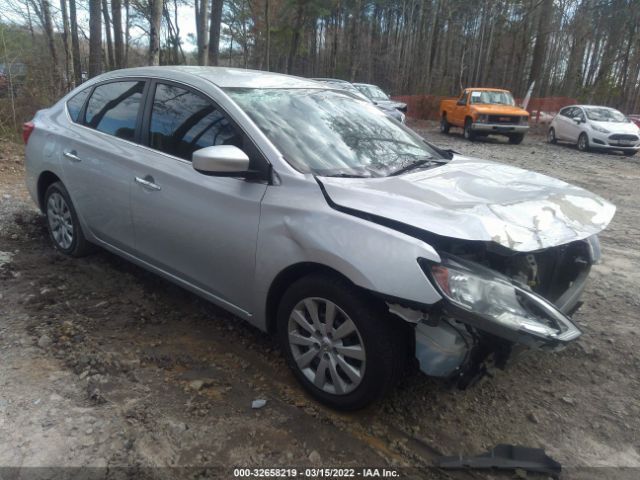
pixel 10 11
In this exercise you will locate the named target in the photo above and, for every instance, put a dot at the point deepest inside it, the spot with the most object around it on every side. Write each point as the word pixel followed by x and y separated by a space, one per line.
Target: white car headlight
pixel 599 129
pixel 499 301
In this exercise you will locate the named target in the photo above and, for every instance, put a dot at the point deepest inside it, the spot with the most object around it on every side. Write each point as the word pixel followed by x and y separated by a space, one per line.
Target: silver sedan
pixel 314 216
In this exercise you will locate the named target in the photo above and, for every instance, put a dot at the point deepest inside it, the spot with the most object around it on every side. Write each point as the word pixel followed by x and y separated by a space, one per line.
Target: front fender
pixel 299 226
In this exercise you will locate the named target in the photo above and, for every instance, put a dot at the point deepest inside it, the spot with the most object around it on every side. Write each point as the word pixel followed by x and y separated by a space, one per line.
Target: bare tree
pixel 214 32
pixel 202 15
pixel 75 42
pixel 95 38
pixel 154 32
pixel 66 40
pixel 116 18
pixel 107 28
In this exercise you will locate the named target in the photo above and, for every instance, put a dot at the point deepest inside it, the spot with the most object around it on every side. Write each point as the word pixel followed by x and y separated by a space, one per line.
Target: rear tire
pixel 346 371
pixel 62 222
pixel 469 134
pixel 444 125
pixel 516 138
pixel 551 136
pixel 583 142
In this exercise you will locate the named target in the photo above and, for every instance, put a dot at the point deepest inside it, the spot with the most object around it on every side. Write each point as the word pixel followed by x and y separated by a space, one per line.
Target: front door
pixel 201 229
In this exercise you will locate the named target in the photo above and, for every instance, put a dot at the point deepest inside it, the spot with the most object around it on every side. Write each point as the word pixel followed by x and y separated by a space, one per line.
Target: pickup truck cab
pixel 485 111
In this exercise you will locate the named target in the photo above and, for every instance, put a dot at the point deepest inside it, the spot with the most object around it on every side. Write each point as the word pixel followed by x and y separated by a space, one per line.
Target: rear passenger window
pixel 113 108
pixel 183 122
pixel 75 103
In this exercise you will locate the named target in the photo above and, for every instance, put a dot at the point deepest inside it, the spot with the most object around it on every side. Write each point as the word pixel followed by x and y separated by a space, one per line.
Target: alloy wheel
pixel 60 221
pixel 326 346
pixel 582 142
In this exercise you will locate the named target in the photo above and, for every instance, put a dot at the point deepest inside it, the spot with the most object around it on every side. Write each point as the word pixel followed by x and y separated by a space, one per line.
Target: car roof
pixel 486 89
pixel 222 77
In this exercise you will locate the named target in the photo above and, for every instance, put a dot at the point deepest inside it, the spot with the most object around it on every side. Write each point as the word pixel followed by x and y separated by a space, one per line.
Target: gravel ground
pixel 105 365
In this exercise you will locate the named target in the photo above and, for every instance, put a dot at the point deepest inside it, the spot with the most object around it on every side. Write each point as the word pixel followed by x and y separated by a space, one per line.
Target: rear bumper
pixel 499 128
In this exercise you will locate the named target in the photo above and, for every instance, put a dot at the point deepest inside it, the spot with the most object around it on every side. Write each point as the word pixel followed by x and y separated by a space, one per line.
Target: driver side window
pixel 182 122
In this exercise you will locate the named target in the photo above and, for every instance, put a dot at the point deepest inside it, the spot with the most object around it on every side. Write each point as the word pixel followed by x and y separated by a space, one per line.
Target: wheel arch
pixel 45 179
pixel 284 279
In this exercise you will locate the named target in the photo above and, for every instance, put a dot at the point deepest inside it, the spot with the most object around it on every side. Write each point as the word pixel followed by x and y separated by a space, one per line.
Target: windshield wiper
pixel 344 175
pixel 414 165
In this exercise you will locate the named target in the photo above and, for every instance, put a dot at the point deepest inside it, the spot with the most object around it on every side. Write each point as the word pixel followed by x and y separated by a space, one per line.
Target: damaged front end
pixel 495 302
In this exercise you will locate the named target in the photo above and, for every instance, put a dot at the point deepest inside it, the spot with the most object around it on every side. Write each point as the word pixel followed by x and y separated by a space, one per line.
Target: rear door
pixel 99 155
pixel 561 124
pixel 199 228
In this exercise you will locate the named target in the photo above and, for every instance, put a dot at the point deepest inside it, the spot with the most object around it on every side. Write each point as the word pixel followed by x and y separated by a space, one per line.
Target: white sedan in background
pixel 593 127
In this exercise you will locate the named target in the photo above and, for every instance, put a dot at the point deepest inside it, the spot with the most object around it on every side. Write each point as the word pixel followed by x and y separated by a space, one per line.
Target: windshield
pixel 603 114
pixel 492 98
pixel 373 92
pixel 327 132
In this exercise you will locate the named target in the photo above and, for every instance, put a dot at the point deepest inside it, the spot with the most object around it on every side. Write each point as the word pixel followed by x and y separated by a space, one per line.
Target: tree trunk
pixel 75 43
pixel 267 26
pixel 214 32
pixel 66 40
pixel 107 28
pixel 154 32
pixel 95 38
pixel 126 32
pixel 544 16
pixel 51 43
pixel 201 30
pixel 116 17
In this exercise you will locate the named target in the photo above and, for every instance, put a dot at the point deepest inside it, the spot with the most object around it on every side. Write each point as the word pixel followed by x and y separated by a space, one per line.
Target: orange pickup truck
pixel 485 111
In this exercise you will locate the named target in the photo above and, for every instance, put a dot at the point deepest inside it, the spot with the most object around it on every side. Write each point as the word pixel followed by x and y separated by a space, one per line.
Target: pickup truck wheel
pixel 342 346
pixel 444 125
pixel 583 142
pixel 469 134
pixel 516 138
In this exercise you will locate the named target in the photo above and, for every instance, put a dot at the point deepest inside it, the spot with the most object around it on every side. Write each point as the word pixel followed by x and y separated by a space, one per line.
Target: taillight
pixel 27 128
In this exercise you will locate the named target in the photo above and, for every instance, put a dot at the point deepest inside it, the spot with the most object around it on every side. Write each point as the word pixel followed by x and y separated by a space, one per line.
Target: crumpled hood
pixel 474 199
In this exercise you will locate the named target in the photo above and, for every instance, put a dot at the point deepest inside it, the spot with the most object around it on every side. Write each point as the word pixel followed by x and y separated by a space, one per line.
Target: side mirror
pixel 462 102
pixel 578 120
pixel 221 160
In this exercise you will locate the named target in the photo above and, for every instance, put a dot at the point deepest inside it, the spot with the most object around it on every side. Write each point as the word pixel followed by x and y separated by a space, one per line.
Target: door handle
pixel 72 155
pixel 148 183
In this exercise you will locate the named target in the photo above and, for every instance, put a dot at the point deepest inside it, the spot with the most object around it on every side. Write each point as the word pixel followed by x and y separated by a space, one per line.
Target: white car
pixel 594 127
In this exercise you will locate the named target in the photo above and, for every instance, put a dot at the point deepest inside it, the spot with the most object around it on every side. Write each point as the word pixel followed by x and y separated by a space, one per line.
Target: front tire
pixel 62 222
pixel 342 346
pixel 444 125
pixel 516 138
pixel 629 153
pixel 551 136
pixel 469 134
pixel 583 142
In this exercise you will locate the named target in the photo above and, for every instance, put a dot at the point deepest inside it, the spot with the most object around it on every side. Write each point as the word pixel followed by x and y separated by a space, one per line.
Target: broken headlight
pixel 497 304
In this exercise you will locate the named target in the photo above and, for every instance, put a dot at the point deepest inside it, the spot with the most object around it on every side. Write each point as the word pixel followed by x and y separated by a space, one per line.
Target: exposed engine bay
pixel 450 343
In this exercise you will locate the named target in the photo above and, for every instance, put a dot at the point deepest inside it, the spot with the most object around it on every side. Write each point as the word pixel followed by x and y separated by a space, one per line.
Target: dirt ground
pixel 105 365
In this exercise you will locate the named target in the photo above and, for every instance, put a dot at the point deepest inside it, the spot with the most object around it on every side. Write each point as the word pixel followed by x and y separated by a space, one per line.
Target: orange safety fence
pixel 427 107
